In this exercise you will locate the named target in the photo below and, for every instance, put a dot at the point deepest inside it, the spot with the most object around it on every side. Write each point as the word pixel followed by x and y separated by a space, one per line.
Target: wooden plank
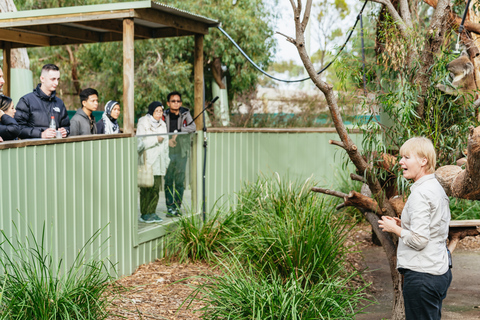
pixel 464 223
pixel 66 18
pixel 172 21
pixel 41 142
pixel 24 38
pixel 279 130
pixel 7 58
pixel 128 75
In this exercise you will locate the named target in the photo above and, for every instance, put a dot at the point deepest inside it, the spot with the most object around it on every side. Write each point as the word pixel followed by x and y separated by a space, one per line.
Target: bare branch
pixel 330 192
pixel 357 177
pixel 337 143
pixel 306 15
pixel 289 39
pixel 340 206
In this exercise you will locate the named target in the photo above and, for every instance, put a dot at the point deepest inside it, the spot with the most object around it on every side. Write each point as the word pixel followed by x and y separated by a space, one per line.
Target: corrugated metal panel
pixel 238 157
pixel 75 189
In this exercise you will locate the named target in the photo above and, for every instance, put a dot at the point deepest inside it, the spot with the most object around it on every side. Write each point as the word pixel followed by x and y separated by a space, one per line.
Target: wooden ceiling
pixel 97 23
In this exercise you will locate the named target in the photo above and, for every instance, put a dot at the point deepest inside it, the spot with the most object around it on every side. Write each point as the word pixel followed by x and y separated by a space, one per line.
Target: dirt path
pixel 463 298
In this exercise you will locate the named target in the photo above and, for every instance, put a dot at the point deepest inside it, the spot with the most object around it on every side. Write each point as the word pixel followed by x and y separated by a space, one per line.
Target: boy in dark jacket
pixel 83 122
pixel 35 109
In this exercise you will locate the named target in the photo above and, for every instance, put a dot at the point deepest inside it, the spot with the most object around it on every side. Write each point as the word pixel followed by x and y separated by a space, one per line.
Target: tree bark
pixel 459 183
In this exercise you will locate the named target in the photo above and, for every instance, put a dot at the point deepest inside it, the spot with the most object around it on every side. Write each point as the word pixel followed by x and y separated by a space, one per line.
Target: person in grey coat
pixel 178 119
pixel 83 122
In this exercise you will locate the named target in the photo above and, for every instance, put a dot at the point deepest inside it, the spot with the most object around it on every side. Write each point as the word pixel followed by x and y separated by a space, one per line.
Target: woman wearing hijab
pixel 156 149
pixel 108 124
pixel 9 128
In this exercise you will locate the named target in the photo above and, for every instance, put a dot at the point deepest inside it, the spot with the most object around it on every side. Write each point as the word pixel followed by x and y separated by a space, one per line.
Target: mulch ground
pixel 161 290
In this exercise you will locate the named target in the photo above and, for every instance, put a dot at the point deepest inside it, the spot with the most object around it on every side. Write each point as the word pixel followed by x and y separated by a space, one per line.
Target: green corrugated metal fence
pixel 77 188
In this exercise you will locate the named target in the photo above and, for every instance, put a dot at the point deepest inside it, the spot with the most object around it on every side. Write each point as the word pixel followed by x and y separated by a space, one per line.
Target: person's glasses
pixel 175 101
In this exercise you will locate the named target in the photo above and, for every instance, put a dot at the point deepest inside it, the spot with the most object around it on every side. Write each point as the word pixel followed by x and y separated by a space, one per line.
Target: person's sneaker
pixel 150 218
pixel 178 213
pixel 171 213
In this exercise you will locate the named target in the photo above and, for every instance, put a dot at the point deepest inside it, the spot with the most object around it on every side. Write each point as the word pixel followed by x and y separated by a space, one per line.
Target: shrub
pixel 35 288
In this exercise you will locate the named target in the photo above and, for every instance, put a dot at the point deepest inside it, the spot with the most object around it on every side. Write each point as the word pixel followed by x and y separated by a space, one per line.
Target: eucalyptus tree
pixel 416 107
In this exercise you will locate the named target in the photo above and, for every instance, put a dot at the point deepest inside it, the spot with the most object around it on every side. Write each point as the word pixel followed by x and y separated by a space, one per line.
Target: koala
pixel 462 76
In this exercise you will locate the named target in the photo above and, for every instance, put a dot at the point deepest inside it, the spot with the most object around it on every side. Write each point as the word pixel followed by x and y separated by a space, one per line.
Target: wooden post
pixel 128 75
pixel 6 68
pixel 198 76
pixel 197 108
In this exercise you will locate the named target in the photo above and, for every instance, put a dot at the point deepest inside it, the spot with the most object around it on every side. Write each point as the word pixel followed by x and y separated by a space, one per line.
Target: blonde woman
pixel 422 255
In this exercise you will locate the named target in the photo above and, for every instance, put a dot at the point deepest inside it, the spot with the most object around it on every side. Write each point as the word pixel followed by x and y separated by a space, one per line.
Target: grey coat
pixel 81 124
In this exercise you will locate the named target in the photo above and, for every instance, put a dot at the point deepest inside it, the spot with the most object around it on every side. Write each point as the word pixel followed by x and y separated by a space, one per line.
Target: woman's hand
pixel 389 224
pixel 160 139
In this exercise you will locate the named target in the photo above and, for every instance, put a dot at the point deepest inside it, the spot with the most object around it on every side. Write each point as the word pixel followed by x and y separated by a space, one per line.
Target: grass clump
pixel 197 240
pixel 242 293
pixel 293 231
pixel 34 287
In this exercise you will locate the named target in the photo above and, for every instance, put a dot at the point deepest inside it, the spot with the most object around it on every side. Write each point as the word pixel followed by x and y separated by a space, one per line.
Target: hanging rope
pixel 298 80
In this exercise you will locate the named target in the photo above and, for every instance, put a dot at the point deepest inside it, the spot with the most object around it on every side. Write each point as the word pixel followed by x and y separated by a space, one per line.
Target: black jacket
pixel 9 128
pixel 34 111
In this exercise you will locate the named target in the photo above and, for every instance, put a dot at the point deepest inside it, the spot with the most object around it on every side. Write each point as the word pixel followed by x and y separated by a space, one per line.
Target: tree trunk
pixel 19 57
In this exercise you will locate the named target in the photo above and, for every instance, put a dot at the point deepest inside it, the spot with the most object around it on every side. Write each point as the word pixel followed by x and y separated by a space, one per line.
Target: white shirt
pixel 425 223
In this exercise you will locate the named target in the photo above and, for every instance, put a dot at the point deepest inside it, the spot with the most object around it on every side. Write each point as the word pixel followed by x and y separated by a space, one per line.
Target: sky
pixel 285 24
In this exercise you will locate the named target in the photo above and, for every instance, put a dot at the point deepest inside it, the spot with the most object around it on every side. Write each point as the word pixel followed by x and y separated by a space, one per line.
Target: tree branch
pixel 337 143
pixel 357 177
pixel 330 192
pixel 306 15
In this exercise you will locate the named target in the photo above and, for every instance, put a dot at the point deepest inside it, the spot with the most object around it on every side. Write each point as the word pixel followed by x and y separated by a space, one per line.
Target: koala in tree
pixel 462 76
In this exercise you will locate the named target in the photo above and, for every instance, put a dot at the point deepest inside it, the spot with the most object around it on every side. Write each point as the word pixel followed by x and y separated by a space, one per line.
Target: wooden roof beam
pixel 172 21
pixel 24 38
pixel 62 31
pixel 117 26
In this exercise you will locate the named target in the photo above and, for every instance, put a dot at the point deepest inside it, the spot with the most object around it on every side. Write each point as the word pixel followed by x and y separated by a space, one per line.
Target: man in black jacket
pixel 178 119
pixel 35 109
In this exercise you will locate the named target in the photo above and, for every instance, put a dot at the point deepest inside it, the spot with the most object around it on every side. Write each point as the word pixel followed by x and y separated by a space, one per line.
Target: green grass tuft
pixel 36 288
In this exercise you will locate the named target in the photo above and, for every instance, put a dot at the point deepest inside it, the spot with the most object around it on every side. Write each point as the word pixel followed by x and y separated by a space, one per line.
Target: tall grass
pixel 196 240
pixel 34 287
pixel 243 293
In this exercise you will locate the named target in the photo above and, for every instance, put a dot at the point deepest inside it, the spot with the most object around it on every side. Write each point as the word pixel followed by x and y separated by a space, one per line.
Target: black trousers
pixel 423 294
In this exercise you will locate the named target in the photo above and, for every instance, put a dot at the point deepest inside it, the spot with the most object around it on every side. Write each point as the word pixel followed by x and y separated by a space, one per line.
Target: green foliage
pixel 164 65
pixel 462 209
pixel 241 293
pixel 194 240
pixel 35 288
